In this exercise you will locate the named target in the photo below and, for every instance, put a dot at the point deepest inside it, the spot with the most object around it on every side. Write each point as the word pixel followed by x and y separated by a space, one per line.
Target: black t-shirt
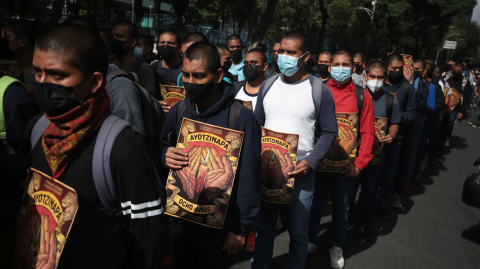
pixel 96 239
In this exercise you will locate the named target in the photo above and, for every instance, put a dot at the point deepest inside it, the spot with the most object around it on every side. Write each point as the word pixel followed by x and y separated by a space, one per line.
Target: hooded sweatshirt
pixel 245 199
pixel 408 111
pixel 345 98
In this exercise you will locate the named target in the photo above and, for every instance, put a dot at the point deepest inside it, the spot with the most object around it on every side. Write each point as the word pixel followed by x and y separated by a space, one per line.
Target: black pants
pixel 197 250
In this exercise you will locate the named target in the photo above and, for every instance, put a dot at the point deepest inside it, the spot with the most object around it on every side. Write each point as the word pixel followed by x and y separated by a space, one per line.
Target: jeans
pixel 340 189
pixel 476 114
pixel 434 135
pixel 472 96
pixel 392 155
pixel 447 128
pixel 408 155
pixel 298 215
pixel 427 130
pixel 368 178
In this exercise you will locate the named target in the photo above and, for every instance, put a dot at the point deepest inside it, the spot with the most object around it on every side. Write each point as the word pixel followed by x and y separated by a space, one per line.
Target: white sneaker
pixel 336 258
pixel 447 143
pixel 279 223
pixel 396 200
pixel 311 248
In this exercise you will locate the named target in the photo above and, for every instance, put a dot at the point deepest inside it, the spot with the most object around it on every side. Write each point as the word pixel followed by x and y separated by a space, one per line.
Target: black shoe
pixel 431 160
pixel 349 226
pixel 414 181
pixel 383 213
pixel 367 233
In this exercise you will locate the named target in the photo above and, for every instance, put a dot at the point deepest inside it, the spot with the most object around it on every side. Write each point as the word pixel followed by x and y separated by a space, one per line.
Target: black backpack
pixel 159 79
pixel 239 86
pixel 389 99
pixel 153 119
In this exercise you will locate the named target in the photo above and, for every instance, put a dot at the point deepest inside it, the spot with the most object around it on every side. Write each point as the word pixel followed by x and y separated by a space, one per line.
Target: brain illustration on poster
pixel 46 216
pixel 200 192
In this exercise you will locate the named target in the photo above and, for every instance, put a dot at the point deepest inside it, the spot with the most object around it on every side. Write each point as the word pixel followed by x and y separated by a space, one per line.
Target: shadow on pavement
pixel 472 234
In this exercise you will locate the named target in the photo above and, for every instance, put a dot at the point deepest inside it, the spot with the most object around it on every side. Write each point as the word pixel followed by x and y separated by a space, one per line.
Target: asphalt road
pixel 433 229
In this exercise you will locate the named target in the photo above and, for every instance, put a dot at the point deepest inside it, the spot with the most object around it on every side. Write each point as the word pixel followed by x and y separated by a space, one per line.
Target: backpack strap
pixel 238 87
pixel 102 175
pixel 389 99
pixel 235 109
pixel 115 73
pixel 137 63
pixel 180 109
pixel 415 84
pixel 317 85
pixel 155 65
pixel 360 100
pixel 268 84
pixel 38 131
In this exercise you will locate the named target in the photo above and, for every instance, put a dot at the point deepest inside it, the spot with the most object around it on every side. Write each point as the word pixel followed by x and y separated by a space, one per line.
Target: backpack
pixel 239 86
pixel 159 79
pixel 102 176
pixel 153 118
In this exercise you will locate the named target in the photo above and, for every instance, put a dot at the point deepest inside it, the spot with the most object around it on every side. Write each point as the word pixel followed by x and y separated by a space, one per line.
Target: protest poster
pixel 172 94
pixel 247 104
pixel 380 130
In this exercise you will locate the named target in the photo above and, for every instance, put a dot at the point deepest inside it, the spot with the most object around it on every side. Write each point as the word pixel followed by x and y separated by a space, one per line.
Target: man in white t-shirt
pixel 255 64
pixel 298 103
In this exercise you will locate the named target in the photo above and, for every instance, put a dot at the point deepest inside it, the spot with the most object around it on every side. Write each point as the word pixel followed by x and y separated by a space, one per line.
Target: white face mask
pixel 374 85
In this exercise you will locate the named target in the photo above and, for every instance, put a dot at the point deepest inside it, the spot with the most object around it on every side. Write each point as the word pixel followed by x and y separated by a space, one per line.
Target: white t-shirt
pixel 245 96
pixel 289 108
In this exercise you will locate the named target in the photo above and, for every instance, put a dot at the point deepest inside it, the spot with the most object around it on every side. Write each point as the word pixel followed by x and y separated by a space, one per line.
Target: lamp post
pixel 371 14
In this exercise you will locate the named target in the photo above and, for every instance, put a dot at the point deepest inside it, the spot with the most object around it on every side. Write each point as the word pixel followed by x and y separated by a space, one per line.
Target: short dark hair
pixel 82 20
pixel 24 29
pixel 376 64
pixel 261 47
pixel 132 29
pixel 234 37
pixel 263 57
pixel 194 38
pixel 326 52
pixel 421 61
pixel 297 35
pixel 438 69
pixel 394 57
pixel 107 32
pixel 344 53
pixel 173 33
pixel 429 68
pixel 148 40
pixel 204 50
pixel 81 47
pixel 459 64
pixel 359 55
pixel 222 49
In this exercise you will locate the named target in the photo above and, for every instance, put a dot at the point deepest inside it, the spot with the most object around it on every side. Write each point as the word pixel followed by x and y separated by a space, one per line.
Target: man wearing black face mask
pixel 398 85
pixel 123 44
pixel 254 69
pixel 71 65
pixel 210 100
pixel 20 39
pixel 324 60
pixel 234 44
pixel 359 62
pixel 226 63
pixel 169 48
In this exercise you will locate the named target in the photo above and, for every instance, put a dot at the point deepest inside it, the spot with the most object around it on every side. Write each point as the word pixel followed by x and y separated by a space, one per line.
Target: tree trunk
pixel 264 23
pixel 56 12
pixel 323 27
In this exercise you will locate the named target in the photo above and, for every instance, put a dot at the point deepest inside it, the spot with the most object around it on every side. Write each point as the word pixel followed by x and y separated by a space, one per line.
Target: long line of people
pixel 79 77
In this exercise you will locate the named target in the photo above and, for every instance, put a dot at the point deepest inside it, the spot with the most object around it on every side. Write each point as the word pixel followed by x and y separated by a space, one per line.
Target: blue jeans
pixel 340 190
pixel 434 135
pixel 368 178
pixel 427 130
pixel 409 154
pixel 472 96
pixel 476 114
pixel 392 155
pixel 298 215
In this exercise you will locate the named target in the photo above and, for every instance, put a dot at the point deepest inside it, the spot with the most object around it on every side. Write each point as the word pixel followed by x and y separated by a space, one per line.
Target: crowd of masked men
pixel 78 76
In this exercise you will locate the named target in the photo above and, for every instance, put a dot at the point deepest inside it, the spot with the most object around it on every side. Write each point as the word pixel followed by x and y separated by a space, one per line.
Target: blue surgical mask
pixel 341 74
pixel 288 64
pixel 138 52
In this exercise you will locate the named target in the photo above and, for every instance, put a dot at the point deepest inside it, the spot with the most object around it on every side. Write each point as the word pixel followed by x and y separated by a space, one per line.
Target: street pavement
pixel 433 229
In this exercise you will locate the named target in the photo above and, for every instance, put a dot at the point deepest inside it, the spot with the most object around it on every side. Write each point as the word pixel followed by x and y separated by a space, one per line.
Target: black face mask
pixel 197 93
pixel 236 55
pixel 56 99
pixel 395 76
pixel 456 75
pixel 416 74
pixel 117 47
pixel 5 52
pixel 226 66
pixel 251 71
pixel 275 60
pixel 166 52
pixel 322 68
pixel 358 67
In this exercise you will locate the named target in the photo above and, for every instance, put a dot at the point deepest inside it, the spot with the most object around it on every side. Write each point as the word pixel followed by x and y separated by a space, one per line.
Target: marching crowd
pixel 81 80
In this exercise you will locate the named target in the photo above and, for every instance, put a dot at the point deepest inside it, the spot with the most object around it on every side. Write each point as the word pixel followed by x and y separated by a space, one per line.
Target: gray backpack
pixel 102 176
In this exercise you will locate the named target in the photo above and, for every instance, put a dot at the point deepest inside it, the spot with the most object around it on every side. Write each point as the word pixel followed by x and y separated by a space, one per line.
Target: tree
pixel 264 24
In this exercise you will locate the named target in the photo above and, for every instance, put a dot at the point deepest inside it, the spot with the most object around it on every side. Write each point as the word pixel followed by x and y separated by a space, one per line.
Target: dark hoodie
pixel 245 199
pixel 421 97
